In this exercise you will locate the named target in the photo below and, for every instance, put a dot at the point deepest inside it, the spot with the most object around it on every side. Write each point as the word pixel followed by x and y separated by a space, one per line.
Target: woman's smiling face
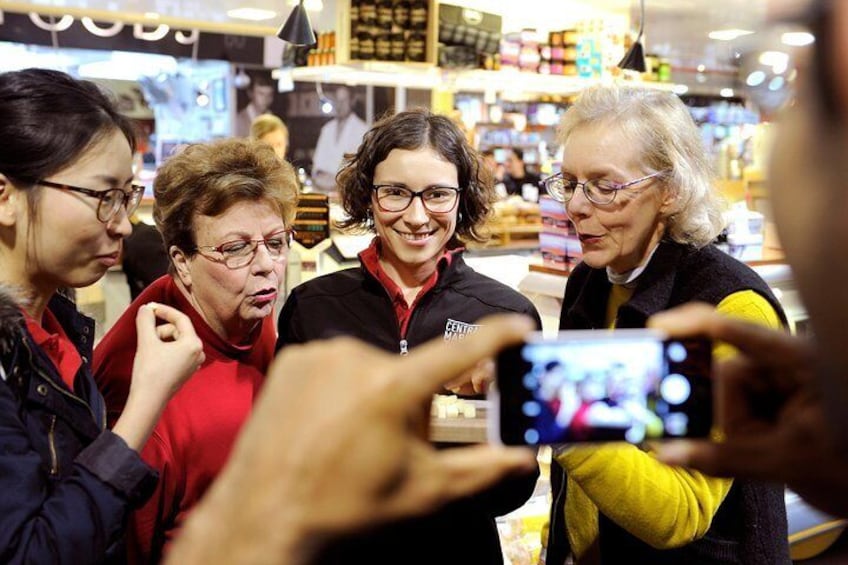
pixel 414 237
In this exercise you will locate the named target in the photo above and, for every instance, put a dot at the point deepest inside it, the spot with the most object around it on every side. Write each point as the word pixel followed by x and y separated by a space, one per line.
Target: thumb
pixel 145 323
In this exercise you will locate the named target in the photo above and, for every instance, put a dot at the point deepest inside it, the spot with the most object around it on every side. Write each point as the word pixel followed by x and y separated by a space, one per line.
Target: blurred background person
pixel 270 129
pixel 260 96
pixel 144 258
pixel 517 176
pixel 339 136
pixel 224 210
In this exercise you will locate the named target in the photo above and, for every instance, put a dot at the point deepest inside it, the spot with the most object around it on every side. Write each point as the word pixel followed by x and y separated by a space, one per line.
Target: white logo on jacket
pixel 456 330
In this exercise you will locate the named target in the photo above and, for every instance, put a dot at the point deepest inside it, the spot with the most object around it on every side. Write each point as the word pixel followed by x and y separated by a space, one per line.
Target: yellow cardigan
pixel 664 506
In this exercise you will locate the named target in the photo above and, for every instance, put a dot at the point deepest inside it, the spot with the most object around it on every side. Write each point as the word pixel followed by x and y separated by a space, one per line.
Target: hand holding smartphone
pixel 590 386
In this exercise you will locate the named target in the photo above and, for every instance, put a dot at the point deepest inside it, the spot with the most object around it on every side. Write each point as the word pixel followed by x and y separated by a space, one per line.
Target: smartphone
pixel 592 386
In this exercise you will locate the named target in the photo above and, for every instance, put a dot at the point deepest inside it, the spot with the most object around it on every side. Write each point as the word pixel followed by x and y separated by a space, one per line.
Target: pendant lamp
pixel 297 30
pixel 634 59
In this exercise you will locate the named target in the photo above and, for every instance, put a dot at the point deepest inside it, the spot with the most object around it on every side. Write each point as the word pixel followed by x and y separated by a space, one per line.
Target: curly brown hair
pixel 208 178
pixel 411 130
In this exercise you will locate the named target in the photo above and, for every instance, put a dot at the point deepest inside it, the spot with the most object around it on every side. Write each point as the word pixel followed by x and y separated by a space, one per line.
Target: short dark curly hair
pixel 411 130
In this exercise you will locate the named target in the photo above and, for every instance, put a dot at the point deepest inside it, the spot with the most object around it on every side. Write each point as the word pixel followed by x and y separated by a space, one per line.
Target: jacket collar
pixel 651 295
pixel 447 266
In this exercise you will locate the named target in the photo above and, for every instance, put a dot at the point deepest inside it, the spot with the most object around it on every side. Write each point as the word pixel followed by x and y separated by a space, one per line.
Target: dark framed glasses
pixel 240 252
pixel 109 201
pixel 436 199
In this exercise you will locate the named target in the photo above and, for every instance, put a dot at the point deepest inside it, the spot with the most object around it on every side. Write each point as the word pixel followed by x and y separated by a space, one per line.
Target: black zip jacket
pixel 749 527
pixel 353 303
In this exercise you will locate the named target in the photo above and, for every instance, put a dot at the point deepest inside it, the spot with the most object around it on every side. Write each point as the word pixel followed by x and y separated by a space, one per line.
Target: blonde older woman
pixel 637 185
pixel 270 129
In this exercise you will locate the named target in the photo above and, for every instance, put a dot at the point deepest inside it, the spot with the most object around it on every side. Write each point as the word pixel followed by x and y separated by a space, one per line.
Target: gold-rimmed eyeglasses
pixel 240 252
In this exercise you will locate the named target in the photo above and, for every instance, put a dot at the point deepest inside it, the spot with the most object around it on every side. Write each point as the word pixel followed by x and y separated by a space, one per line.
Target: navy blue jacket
pixel 67 484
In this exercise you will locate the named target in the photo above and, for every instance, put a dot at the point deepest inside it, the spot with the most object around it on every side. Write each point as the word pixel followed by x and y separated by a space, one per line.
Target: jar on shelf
pixel 416 47
pixel 418 15
pixel 384 14
pixel 400 13
pixel 366 45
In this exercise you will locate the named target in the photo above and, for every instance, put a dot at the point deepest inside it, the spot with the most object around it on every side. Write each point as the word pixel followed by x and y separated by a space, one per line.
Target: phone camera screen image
pixel 604 388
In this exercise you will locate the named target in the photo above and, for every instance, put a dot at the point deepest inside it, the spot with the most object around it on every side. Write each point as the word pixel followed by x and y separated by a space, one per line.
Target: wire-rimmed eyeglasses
pixel 597 191
pixel 240 252
pixel 109 201
pixel 436 199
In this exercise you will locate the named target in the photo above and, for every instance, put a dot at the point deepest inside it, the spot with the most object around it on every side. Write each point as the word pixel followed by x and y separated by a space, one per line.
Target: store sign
pixel 110 36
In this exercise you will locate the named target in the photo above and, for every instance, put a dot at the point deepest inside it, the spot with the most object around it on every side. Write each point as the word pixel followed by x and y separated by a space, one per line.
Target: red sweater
pixel 198 427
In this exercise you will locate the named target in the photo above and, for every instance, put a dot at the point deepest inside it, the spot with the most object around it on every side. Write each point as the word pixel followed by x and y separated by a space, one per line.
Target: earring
pixel 369 220
pixel 459 218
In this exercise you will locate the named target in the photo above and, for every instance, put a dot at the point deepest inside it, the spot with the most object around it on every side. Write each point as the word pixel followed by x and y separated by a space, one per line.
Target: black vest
pixel 750 525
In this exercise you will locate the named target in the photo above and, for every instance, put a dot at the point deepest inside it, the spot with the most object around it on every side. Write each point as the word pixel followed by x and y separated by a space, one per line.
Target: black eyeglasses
pixel 597 191
pixel 110 201
pixel 436 199
pixel 240 253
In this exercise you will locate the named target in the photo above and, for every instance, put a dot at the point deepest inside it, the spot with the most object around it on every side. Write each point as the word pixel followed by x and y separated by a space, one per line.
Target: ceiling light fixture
pixel 251 14
pixel 797 38
pixel 728 34
pixel 634 59
pixel 297 29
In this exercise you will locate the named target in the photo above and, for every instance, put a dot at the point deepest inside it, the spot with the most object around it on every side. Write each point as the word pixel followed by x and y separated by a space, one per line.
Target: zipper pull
pixel 404 349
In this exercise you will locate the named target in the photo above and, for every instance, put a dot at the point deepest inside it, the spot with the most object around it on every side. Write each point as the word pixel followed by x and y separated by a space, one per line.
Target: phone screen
pixel 625 385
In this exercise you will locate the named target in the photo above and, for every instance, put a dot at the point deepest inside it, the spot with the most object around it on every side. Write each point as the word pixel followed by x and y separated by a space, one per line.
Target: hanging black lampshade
pixel 297 30
pixel 634 59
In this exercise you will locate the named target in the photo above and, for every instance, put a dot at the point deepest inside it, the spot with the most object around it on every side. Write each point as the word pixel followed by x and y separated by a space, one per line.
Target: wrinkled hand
pixel 338 441
pixel 166 356
pixel 474 381
pixel 768 407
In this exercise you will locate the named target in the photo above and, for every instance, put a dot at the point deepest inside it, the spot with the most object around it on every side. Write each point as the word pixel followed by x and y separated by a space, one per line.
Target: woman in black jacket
pixel 66 194
pixel 418 184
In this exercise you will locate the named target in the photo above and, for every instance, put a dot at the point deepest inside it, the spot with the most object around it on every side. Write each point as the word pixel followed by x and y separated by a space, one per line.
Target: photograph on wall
pixel 324 122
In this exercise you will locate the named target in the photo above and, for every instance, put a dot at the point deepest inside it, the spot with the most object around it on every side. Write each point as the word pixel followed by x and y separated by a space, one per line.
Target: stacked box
pixel 558 242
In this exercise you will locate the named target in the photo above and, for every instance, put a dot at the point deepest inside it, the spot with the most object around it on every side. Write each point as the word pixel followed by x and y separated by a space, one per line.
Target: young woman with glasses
pixel 637 185
pixel 417 183
pixel 66 194
pixel 224 211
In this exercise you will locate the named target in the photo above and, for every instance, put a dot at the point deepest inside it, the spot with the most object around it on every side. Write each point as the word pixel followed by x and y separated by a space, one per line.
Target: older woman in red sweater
pixel 224 211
